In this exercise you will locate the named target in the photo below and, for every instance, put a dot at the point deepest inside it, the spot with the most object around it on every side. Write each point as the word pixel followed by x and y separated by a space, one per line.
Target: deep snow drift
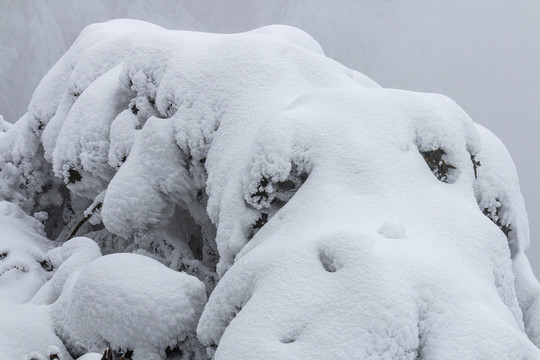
pixel 326 217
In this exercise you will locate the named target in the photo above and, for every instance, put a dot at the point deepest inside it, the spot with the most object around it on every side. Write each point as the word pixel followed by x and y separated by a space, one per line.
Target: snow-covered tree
pixel 325 217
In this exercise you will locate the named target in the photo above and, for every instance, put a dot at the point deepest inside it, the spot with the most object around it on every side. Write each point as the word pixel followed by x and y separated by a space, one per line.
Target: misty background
pixel 484 54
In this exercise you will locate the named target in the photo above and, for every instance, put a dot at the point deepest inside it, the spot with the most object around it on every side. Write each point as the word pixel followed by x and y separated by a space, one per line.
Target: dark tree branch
pixel 84 220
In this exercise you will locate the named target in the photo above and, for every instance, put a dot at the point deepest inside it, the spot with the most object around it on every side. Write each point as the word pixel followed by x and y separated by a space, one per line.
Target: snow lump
pixel 129 302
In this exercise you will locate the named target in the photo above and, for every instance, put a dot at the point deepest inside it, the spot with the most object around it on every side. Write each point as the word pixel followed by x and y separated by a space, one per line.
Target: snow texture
pixel 397 43
pixel 319 267
pixel 129 301
pixel 328 218
pixel 66 260
pixel 22 248
pixel 26 330
pixel 91 356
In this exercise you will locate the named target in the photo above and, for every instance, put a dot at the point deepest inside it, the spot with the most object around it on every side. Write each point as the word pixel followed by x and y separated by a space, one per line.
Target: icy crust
pixel 130 302
pixel 373 256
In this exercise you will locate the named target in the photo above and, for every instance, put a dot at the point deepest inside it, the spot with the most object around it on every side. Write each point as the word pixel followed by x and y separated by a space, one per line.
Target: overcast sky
pixel 485 54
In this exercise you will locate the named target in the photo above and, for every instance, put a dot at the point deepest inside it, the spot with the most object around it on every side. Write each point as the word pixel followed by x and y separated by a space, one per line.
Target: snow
pixel 116 289
pixel 22 248
pixel 98 50
pixel 392 230
pixel 91 356
pixel 129 301
pixel 67 259
pixel 411 45
pixel 327 217
pixel 528 293
pixel 497 190
pixel 26 333
pixel 26 328
pixel 4 125
pixel 80 144
pixel 319 268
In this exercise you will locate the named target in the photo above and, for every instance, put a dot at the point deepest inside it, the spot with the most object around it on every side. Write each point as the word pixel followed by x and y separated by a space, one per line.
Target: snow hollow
pixel 183 195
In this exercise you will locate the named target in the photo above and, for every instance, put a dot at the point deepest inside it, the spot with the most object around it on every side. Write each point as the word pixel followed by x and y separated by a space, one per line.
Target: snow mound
pixel 129 301
pixel 318 268
pixel 66 260
pixel 129 115
pixel 338 219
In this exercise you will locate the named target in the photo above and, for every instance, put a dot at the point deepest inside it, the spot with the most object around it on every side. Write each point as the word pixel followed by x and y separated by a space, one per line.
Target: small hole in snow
pixel 329 262
pixel 392 230
pixel 288 339
pixel 3 255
